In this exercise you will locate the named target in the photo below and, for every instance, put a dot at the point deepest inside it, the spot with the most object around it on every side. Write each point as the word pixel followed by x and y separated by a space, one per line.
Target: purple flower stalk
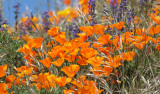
pixel 46 22
pixel 16 12
pixel 92 5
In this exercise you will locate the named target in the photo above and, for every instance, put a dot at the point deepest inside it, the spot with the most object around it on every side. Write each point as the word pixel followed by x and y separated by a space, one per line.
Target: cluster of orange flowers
pixel 65 61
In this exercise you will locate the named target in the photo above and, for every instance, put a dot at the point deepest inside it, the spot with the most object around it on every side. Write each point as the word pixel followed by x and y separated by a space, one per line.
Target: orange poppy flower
pixel 82 2
pixel 139 31
pixel 106 50
pixel 3 89
pixel 58 62
pixel 70 70
pixel 116 42
pixel 154 30
pixel 51 80
pixel 81 61
pixel 156 40
pixel 62 81
pixel 24 70
pixel 127 37
pixel 156 19
pixel 10 78
pixel 128 55
pixel 119 25
pixel 67 57
pixel 146 38
pixel 99 29
pixel 104 39
pixel 67 2
pixel 3 70
pixel 96 61
pixel 158 47
pixel 46 62
pixel 116 61
pixel 43 80
pixel 84 45
pixel 88 52
pixel 70 91
pixel 96 45
pixel 9 85
pixel 98 71
pixel 53 31
pixel 86 86
pixel 34 78
pixel 61 37
pixel 139 45
pixel 107 70
pixel 36 43
pixel 89 87
pixel 89 30
pixel 83 37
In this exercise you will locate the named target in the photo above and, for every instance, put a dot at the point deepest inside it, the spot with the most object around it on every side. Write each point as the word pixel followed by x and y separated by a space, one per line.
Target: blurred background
pixel 29 6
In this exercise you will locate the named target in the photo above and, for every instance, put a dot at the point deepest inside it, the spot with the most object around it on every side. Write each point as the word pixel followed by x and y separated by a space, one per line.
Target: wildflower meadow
pixel 82 47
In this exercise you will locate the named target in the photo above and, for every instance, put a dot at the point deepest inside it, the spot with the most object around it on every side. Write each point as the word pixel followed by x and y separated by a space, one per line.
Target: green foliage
pixel 8 50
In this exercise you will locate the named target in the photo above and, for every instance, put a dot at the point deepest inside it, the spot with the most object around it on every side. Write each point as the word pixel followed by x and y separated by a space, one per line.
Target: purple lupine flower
pixel 74 28
pixel 46 22
pixel 16 12
pixel 92 5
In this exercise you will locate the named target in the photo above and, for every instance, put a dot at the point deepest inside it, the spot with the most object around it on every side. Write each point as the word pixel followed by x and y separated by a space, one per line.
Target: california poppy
pixel 62 81
pixel 36 43
pixel 10 78
pixel 46 62
pixel 61 37
pixel 67 2
pixel 98 71
pixel 107 70
pixel 81 60
pixel 128 55
pixel 119 25
pixel 3 70
pixel 3 88
pixel 96 61
pixel 58 62
pixel 24 70
pixel 96 45
pixel 53 31
pixel 104 39
pixel 88 52
pixel 156 19
pixel 42 78
pixel 114 61
pixel 154 30
pixel 89 30
pixel 99 29
pixel 70 70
